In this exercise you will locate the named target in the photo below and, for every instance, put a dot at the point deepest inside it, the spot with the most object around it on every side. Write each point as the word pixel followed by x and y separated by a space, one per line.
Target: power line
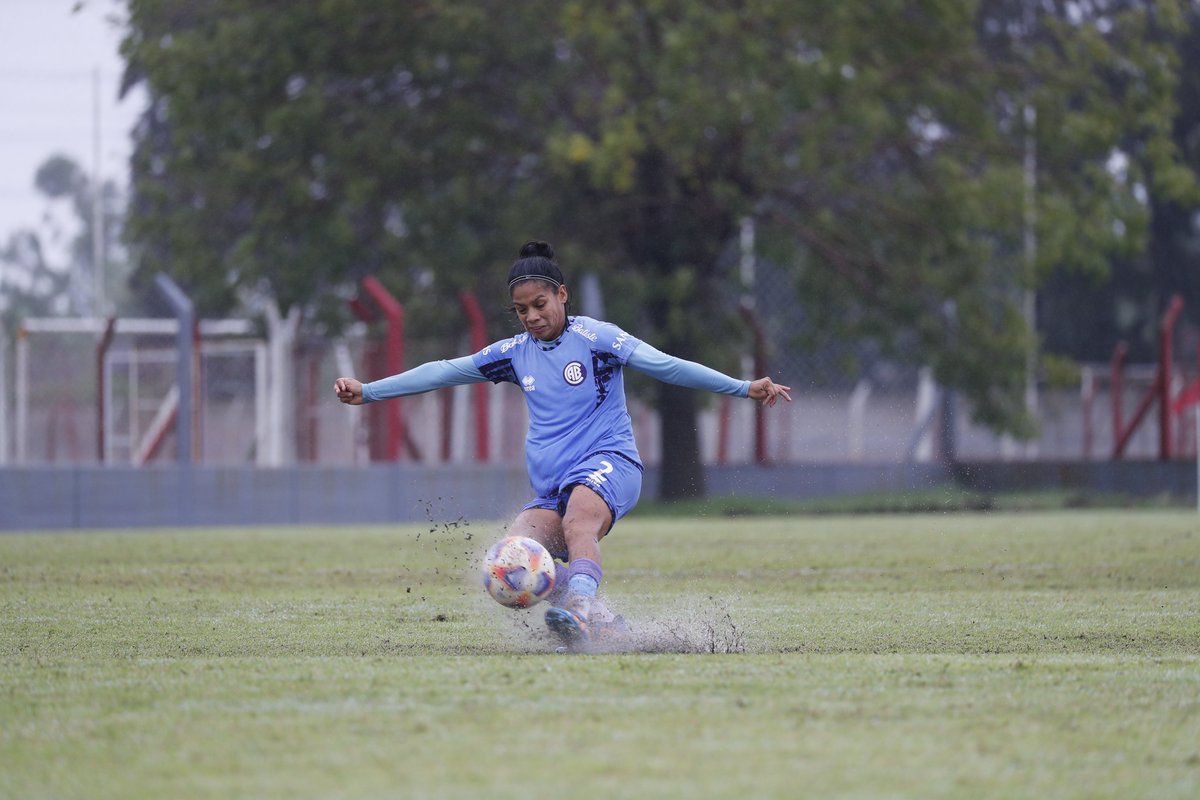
pixel 19 73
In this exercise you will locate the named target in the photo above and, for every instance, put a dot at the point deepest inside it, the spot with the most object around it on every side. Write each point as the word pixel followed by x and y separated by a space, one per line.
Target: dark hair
pixel 535 262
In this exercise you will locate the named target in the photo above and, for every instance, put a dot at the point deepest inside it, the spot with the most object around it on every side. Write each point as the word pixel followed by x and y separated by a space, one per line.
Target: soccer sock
pixel 562 574
pixel 585 576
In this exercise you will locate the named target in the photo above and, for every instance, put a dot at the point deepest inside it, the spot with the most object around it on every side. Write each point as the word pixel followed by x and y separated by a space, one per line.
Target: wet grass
pixel 947 498
pixel 913 655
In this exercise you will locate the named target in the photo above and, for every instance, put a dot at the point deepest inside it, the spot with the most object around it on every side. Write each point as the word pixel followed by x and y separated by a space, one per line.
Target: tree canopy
pixel 38 278
pixel 897 159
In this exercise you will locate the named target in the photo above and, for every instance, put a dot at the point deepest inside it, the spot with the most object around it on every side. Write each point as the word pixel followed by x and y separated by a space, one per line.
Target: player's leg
pixel 586 520
pixel 605 488
pixel 543 524
pixel 597 493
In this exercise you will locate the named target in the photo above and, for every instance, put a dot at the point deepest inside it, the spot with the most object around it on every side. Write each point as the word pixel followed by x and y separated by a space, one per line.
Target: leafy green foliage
pixel 883 151
pixel 39 279
pixel 293 153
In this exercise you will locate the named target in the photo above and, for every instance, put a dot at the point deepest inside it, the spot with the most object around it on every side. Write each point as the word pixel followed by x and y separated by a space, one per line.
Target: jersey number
pixel 597 477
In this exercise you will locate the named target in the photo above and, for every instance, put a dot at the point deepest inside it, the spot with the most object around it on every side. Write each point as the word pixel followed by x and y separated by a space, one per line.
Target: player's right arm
pixel 349 391
pixel 425 378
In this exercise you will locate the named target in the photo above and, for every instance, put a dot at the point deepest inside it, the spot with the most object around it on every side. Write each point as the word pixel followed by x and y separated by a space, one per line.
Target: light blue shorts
pixel 614 477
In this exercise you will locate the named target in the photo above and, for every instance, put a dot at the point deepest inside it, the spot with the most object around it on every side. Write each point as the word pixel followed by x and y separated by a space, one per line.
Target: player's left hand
pixel 767 392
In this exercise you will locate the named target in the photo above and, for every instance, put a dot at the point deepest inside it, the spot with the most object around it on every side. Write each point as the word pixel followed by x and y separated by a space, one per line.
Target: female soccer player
pixel 579 451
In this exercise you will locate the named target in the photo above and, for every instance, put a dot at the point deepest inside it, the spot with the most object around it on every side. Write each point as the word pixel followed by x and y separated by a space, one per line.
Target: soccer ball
pixel 518 572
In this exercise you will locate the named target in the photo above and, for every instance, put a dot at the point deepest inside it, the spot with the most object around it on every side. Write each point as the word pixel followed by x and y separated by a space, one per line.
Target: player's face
pixel 541 308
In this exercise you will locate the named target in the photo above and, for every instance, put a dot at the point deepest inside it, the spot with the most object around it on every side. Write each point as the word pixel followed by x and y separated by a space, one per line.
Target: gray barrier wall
pixel 94 497
pixel 1176 479
pixel 33 498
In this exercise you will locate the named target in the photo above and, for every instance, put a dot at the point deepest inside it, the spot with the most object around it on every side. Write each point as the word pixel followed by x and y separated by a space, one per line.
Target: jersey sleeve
pixel 669 369
pixel 607 341
pixel 425 378
pixel 495 362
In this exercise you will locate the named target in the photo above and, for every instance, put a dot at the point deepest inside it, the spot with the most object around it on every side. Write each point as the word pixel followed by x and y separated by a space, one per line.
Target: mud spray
pixel 704 624
pixel 448 547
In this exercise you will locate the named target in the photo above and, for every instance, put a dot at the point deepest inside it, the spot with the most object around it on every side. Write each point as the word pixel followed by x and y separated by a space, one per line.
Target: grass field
pixel 919 655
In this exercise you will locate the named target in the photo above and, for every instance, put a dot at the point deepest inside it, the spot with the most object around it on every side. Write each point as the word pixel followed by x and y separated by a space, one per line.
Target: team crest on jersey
pixel 574 373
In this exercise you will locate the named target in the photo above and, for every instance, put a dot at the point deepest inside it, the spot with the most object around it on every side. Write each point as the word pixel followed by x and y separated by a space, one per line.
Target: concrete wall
pixel 95 497
pixel 1132 478
pixel 89 497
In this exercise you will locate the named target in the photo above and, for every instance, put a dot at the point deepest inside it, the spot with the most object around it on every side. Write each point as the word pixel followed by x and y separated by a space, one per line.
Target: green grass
pixel 916 655
pixel 938 499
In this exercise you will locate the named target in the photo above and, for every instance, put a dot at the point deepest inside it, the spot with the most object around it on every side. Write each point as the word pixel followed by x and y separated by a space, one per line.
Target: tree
pixel 38 279
pixel 29 286
pixel 1087 306
pixel 881 150
pixel 294 153
pixel 1175 225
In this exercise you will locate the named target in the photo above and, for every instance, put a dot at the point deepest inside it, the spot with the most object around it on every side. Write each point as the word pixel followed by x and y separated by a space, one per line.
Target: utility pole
pixel 98 299
pixel 1029 305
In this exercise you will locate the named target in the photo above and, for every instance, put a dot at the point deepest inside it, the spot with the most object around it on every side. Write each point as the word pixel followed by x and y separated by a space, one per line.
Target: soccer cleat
pixel 598 613
pixel 568 626
pixel 608 632
pixel 569 622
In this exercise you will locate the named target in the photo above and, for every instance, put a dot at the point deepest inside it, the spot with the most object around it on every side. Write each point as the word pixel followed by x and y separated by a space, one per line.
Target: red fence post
pixel 1165 353
pixel 1159 391
pixel 760 369
pixel 197 394
pixel 393 352
pixel 106 340
pixel 477 326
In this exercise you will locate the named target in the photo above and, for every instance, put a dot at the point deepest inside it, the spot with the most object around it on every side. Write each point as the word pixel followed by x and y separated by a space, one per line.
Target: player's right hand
pixel 349 391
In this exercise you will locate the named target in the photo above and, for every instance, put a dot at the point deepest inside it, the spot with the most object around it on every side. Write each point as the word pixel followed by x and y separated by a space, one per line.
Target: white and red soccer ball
pixel 518 572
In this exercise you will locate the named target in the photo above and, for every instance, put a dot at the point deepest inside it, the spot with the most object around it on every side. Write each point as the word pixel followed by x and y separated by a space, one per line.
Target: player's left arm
pixel 680 371
pixel 767 392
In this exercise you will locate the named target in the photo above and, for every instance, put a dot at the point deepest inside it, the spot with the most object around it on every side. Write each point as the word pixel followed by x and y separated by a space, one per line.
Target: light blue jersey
pixel 575 393
pixel 576 398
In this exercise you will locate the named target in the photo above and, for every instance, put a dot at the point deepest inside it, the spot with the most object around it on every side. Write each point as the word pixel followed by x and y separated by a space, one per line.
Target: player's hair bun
pixel 536 262
pixel 537 249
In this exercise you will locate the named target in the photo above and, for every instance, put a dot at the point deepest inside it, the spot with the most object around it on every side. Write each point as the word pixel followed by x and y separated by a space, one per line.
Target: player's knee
pixel 585 525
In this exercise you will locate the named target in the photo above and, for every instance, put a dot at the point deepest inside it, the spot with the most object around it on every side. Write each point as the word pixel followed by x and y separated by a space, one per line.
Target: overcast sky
pixel 49 56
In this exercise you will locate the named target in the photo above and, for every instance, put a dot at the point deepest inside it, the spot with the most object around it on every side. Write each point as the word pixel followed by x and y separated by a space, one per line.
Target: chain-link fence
pixel 101 391
pixel 69 397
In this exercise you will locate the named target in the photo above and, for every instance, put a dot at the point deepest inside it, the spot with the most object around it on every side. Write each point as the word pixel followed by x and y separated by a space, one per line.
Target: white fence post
pixel 926 402
pixel 281 418
pixel 857 413
pixel 4 418
pixel 22 415
pixel 185 312
pixel 360 453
